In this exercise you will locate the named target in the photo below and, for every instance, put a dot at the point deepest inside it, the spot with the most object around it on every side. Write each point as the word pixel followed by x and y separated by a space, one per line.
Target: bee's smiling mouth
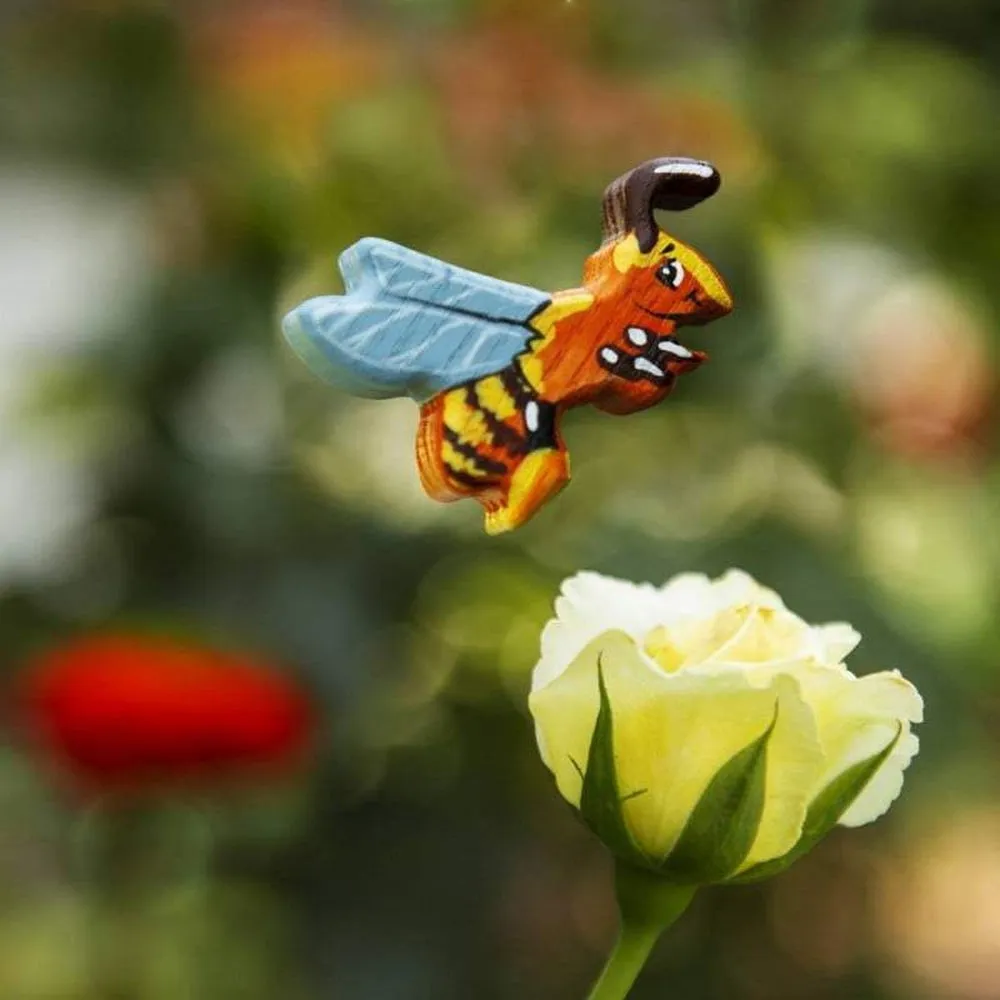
pixel 678 319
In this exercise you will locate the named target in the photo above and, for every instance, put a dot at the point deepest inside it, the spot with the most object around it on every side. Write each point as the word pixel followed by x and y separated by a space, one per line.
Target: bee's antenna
pixel 672 183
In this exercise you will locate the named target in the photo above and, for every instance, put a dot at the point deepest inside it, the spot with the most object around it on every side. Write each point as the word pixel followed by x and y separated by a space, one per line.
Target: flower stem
pixel 627 959
pixel 648 905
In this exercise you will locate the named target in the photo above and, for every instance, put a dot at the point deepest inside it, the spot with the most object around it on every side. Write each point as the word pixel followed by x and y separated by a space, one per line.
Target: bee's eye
pixel 671 273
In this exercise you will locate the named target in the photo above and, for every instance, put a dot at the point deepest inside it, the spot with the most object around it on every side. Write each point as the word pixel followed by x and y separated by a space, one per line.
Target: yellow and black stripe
pixel 488 426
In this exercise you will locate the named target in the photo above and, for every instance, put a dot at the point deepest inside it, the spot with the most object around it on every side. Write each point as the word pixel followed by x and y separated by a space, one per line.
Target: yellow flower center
pixel 659 648
pixel 745 633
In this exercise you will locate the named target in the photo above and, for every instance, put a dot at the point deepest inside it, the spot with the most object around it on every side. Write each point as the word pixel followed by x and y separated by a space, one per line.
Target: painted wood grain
pixel 493 365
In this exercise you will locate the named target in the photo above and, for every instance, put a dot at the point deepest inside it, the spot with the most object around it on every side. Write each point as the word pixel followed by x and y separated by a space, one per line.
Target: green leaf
pixel 825 811
pixel 723 825
pixel 601 799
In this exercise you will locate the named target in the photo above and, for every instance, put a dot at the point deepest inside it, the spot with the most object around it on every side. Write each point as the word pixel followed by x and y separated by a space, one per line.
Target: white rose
pixel 727 716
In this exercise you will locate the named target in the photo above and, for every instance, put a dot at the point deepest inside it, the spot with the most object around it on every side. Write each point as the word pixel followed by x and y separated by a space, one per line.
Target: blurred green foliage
pixel 174 175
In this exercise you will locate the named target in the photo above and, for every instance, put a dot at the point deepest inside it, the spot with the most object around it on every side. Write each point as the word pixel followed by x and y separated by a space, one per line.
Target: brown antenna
pixel 671 183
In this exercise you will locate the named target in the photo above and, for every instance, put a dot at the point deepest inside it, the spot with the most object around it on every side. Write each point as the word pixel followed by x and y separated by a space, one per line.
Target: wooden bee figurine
pixel 493 365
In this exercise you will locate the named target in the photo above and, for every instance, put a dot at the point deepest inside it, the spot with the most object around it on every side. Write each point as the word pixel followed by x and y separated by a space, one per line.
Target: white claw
pixel 647 366
pixel 677 350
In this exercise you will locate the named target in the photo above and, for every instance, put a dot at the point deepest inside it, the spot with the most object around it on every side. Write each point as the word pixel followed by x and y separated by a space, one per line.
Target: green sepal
pixel 825 811
pixel 723 825
pixel 601 800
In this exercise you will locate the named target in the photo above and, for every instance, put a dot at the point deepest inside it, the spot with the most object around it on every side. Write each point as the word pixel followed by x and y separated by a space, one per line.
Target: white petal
pixel 885 787
pixel 767 634
pixel 590 604
pixel 687 594
pixel 737 587
pixel 835 641
pixel 858 717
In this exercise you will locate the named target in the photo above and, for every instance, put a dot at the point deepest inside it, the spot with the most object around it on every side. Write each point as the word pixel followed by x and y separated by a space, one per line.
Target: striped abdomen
pixel 473 437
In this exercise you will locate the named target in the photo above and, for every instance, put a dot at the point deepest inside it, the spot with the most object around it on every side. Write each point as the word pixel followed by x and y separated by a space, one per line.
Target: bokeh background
pixel 173 176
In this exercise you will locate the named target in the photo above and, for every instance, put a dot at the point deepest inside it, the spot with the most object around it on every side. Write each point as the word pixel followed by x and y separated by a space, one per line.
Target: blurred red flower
pixel 130 711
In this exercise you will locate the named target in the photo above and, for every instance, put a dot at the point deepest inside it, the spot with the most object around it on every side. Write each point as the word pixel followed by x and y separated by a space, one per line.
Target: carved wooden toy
pixel 493 365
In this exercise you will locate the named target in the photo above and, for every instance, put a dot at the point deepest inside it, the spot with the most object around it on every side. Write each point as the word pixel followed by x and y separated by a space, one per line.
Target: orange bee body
pixel 612 343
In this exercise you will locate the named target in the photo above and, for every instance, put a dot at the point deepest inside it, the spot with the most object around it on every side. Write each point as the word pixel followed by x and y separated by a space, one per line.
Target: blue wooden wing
pixel 409 324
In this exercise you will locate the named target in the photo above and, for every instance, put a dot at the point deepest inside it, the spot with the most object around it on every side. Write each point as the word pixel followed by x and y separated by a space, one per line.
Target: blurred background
pixel 173 176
